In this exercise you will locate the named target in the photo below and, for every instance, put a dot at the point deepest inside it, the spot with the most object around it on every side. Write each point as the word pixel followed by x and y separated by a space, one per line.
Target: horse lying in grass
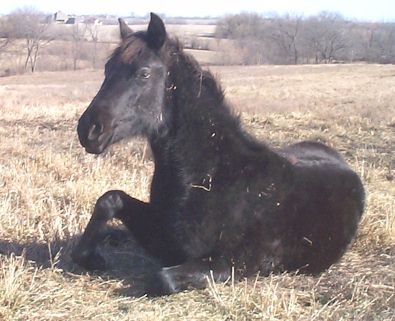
pixel 219 198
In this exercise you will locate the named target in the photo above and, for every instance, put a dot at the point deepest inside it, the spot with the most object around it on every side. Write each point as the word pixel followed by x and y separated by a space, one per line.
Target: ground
pixel 48 186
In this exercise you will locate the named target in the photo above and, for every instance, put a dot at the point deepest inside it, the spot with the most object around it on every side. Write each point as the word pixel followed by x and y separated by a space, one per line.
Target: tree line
pixel 250 38
pixel 291 39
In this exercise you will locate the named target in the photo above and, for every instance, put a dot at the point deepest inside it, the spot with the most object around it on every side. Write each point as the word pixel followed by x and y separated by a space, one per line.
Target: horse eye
pixel 144 73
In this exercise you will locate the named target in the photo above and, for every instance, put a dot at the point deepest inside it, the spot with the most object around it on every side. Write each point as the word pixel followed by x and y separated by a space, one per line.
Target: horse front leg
pixel 191 274
pixel 112 204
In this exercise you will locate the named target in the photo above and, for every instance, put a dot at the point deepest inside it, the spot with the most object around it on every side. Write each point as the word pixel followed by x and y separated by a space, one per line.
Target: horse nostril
pixel 95 131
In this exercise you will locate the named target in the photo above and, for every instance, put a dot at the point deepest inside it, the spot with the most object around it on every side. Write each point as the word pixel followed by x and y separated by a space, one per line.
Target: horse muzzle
pixel 94 135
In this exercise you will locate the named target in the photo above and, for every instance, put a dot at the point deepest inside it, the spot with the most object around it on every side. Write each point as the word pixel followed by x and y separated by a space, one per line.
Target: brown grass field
pixel 48 186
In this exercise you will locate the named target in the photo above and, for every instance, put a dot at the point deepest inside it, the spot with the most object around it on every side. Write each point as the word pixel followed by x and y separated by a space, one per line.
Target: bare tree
pixel 324 36
pixel 4 34
pixel 92 29
pixel 4 43
pixel 382 44
pixel 77 37
pixel 240 26
pixel 32 26
pixel 290 39
pixel 284 32
pixel 247 31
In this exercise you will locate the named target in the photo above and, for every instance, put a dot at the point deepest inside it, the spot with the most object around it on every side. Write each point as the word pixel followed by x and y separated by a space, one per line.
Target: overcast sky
pixel 371 10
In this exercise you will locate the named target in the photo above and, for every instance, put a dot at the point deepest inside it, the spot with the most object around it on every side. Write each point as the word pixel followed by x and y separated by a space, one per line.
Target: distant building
pixel 71 21
pixel 62 18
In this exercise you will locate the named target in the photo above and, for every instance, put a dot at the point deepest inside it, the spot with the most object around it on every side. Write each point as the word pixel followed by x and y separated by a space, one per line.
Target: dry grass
pixel 48 186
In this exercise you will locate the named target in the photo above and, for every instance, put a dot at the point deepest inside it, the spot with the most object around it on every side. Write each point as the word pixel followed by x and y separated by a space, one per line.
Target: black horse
pixel 219 198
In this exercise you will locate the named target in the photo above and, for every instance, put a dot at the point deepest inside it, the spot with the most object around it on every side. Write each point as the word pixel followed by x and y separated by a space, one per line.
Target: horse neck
pixel 203 131
pixel 199 113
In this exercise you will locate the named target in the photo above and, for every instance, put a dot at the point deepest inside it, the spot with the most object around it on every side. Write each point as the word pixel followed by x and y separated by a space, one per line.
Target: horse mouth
pixel 100 145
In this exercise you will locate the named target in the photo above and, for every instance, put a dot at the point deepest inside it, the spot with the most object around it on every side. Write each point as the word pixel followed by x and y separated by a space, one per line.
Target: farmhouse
pixel 62 18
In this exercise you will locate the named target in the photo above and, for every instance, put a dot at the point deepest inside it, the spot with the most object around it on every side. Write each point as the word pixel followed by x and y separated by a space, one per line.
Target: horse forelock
pixel 131 48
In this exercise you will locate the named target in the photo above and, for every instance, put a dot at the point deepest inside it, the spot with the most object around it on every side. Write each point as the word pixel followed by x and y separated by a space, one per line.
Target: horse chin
pixel 94 150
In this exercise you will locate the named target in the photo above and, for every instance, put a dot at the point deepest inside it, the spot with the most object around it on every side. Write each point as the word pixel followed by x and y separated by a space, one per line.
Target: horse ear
pixel 124 29
pixel 156 33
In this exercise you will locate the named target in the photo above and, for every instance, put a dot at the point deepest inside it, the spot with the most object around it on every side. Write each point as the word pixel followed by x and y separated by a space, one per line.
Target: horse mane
pixel 215 104
pixel 200 76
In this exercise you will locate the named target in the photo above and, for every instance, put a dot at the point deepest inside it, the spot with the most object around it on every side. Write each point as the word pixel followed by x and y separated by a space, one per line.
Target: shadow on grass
pixel 125 261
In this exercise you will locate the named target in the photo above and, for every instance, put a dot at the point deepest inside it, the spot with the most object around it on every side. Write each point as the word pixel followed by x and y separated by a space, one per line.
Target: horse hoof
pixel 90 261
pixel 160 283
pixel 168 284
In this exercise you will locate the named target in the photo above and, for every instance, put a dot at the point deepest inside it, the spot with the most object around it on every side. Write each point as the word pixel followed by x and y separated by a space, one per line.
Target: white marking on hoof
pixel 167 279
